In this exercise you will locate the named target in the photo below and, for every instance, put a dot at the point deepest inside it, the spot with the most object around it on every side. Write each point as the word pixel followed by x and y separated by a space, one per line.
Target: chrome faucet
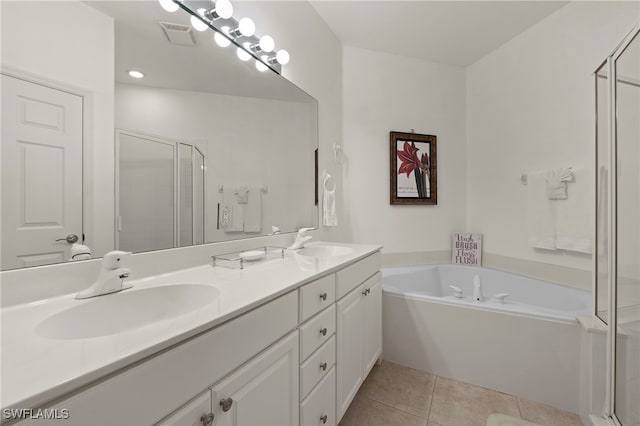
pixel 301 239
pixel 112 276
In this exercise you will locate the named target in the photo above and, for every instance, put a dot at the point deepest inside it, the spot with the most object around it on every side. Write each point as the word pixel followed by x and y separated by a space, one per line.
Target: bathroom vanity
pixel 285 341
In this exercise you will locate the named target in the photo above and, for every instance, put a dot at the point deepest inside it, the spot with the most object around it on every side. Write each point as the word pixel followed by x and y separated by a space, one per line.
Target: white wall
pixel 70 44
pixel 384 92
pixel 530 106
pixel 268 150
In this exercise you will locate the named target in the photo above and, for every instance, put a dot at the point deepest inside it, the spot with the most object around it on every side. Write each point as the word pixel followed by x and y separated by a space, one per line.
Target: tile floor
pixel 394 395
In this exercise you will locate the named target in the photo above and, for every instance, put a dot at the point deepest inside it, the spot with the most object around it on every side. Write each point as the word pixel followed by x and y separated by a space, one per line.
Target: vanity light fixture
pixel 197 21
pixel 228 30
pixel 169 5
pixel 135 74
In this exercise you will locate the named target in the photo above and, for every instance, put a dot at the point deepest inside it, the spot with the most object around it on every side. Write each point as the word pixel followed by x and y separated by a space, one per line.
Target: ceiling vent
pixel 182 35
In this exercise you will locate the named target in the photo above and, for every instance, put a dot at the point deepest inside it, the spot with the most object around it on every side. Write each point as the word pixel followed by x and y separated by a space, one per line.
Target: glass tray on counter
pixel 241 259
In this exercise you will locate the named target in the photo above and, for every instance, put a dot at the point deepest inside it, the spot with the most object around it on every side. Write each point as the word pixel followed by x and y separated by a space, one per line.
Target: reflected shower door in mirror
pixel 207 148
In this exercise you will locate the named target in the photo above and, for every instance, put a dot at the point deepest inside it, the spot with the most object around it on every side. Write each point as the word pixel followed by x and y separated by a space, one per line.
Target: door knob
pixel 323 331
pixel 323 296
pixel 226 404
pixel 71 238
pixel 323 419
pixel 207 419
pixel 323 366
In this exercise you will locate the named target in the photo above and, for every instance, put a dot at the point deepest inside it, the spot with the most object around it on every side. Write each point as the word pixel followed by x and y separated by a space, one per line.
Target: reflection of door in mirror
pixel 41 173
pixel 160 201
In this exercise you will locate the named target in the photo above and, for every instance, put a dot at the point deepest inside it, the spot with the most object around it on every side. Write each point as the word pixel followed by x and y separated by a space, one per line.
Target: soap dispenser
pixel 477 289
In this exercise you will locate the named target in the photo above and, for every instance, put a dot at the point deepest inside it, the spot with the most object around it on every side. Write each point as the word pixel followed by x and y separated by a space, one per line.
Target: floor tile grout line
pixel 433 392
pixel 392 407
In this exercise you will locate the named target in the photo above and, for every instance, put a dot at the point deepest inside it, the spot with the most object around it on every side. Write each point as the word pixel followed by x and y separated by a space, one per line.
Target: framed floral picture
pixel 414 172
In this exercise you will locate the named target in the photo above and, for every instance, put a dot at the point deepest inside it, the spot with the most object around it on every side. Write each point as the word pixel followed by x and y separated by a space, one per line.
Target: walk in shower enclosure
pixel 617 259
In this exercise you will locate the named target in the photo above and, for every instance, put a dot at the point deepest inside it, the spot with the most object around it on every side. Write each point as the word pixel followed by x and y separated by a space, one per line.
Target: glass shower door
pixel 627 135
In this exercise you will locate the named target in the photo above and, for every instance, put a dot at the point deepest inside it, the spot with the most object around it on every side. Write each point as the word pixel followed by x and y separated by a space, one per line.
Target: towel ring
pixel 325 178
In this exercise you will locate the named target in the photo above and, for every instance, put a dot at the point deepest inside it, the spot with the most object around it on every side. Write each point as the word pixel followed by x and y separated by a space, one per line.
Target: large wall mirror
pixel 203 148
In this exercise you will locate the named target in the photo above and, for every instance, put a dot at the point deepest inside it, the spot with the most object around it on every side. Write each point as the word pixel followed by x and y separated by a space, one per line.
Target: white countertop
pixel 36 370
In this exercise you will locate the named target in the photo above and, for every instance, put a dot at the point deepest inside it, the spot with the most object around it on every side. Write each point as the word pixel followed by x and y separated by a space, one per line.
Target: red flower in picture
pixel 408 159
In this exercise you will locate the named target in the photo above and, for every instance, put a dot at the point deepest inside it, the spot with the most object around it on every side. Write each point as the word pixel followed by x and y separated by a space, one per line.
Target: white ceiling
pixel 449 32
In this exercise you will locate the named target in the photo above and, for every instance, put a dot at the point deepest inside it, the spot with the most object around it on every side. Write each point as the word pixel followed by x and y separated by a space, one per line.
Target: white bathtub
pixel 527 296
pixel 529 346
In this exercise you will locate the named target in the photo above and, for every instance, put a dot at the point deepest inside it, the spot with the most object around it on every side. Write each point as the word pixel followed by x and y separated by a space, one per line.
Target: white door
pixel 351 311
pixel 41 173
pixel 263 392
pixel 373 322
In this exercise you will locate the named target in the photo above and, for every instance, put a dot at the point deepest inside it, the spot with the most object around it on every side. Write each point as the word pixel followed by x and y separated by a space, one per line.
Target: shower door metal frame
pixel 612 211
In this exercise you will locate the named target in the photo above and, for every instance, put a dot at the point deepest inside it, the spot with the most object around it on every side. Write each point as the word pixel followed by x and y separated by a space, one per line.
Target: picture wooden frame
pixel 413 169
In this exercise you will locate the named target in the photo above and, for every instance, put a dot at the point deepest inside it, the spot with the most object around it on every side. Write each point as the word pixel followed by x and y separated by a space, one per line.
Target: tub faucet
pixel 111 278
pixel 301 239
pixel 457 292
pixel 477 289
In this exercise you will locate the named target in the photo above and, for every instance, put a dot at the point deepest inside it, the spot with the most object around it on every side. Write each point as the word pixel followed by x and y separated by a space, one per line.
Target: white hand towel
pixel 242 192
pixel 253 210
pixel 540 213
pixel 329 216
pixel 557 182
pixel 574 215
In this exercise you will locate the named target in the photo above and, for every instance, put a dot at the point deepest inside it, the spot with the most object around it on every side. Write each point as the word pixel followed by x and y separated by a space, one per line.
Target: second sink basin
pixel 325 250
pixel 127 310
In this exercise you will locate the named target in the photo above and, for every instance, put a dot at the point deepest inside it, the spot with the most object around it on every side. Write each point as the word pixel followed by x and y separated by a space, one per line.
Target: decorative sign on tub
pixel 466 249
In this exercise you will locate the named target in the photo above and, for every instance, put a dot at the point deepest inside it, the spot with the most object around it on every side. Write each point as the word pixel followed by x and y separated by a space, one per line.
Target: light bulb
pixel 135 74
pixel 260 66
pixel 224 9
pixel 169 5
pixel 242 54
pixel 282 57
pixel 197 22
pixel 247 27
pixel 267 44
pixel 221 40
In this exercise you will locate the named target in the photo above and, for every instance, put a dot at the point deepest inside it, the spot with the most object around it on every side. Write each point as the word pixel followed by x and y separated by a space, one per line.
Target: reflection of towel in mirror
pixel 557 182
pixel 541 225
pixel 253 210
pixel 573 215
pixel 230 213
pixel 242 193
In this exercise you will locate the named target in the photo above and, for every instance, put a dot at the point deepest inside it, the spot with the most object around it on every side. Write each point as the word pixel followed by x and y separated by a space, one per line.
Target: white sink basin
pixel 127 310
pixel 325 251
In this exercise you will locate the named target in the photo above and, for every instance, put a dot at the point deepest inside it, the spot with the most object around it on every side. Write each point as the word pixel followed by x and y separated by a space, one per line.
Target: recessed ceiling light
pixel 136 74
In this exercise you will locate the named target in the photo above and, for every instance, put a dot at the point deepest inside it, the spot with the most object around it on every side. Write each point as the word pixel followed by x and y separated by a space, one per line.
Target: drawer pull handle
pixel 323 419
pixel 366 292
pixel 323 366
pixel 323 331
pixel 226 404
pixel 323 296
pixel 207 419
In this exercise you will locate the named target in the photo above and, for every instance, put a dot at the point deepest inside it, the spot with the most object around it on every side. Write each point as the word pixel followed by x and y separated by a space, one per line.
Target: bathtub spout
pixel 477 289
pixel 457 292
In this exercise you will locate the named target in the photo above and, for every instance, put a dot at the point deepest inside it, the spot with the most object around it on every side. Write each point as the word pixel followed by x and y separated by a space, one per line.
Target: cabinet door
pixel 373 322
pixel 264 391
pixel 351 312
pixel 196 412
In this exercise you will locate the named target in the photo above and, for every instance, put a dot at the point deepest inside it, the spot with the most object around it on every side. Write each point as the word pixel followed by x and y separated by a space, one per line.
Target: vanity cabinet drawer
pixel 195 413
pixel 352 276
pixel 319 408
pixel 316 296
pixel 317 366
pixel 316 331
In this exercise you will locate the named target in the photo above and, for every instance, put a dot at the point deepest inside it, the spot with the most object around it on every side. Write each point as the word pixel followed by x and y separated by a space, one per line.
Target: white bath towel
pixel 329 216
pixel 557 182
pixel 253 210
pixel 574 218
pixel 540 213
